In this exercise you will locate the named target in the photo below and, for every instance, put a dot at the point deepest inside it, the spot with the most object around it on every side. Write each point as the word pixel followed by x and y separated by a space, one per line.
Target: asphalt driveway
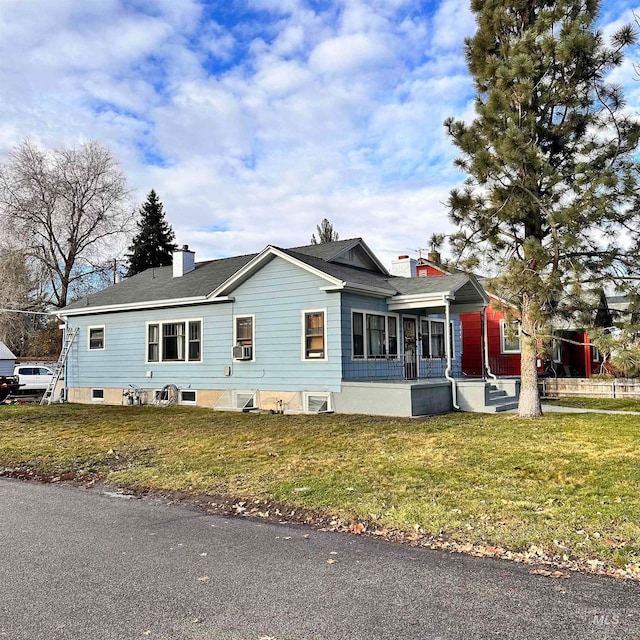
pixel 80 563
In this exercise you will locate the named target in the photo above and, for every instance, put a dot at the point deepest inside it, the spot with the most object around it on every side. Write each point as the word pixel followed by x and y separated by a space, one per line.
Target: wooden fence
pixel 589 387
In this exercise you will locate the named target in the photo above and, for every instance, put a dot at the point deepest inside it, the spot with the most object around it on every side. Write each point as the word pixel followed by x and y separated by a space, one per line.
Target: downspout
pixel 447 371
pixel 485 344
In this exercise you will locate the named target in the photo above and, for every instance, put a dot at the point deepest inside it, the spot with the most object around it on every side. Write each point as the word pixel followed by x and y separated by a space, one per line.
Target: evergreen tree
pixel 551 188
pixel 153 245
pixel 325 233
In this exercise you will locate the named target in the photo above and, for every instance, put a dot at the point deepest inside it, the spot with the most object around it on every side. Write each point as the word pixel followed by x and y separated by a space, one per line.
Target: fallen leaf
pixel 548 574
pixel 330 561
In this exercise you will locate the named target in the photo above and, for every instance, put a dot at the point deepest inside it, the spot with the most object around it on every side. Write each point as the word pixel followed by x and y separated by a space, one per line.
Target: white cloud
pixel 254 126
pixel 349 53
pixel 451 24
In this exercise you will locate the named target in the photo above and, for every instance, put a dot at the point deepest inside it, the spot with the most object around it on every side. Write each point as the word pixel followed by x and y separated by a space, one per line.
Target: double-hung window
pixel 96 338
pixel 358 334
pixel 374 335
pixel 243 338
pixel 433 338
pixel 509 337
pixel 437 339
pixel 174 341
pixel 314 329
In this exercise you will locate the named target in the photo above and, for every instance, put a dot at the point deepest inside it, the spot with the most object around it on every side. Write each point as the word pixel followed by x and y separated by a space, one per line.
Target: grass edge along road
pixel 561 489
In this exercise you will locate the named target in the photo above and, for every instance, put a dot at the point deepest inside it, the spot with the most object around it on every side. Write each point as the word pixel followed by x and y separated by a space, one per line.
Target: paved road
pixel 77 563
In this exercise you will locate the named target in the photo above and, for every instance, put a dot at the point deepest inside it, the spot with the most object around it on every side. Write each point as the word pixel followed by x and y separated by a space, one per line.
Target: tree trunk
pixel 529 405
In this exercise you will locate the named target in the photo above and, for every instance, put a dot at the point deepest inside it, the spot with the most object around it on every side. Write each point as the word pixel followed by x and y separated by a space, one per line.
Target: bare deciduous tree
pixel 20 288
pixel 68 209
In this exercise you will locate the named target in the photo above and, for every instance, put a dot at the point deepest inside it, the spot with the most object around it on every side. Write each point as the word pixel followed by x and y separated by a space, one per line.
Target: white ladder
pixel 70 336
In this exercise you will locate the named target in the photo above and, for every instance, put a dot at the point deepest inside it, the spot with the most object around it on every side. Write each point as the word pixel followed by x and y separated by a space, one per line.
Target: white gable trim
pixel 265 256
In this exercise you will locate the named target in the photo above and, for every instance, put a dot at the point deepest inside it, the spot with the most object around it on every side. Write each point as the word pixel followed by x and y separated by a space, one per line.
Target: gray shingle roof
pixel 344 272
pixel 5 352
pixel 157 285
pixel 434 284
pixel 326 250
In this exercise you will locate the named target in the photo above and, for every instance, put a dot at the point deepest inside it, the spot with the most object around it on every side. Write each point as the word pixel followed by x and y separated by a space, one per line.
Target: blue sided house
pixel 315 328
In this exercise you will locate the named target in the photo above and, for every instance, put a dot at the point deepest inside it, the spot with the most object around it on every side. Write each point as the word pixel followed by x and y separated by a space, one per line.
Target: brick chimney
pixel 434 256
pixel 404 267
pixel 184 261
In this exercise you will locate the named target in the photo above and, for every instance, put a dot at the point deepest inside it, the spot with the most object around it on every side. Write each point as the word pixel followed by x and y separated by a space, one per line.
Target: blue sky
pixel 256 119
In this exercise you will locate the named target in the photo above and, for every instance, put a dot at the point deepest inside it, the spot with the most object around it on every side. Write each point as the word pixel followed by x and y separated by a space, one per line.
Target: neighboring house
pixel 572 354
pixel 316 328
pixel 7 360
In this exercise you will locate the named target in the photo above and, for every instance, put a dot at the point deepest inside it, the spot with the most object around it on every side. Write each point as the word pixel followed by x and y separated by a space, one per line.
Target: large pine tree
pixel 551 194
pixel 153 245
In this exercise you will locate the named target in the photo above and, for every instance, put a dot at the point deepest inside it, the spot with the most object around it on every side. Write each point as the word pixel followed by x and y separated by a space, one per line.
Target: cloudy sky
pixel 256 119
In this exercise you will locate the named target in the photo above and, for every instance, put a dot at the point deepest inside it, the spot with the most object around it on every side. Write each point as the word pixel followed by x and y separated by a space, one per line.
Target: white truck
pixel 33 377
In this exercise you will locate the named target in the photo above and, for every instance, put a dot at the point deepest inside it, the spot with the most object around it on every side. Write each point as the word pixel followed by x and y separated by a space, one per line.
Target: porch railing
pixel 403 367
pixel 504 365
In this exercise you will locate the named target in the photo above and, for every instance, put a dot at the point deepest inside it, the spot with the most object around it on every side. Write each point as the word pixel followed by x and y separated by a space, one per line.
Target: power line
pixel 37 313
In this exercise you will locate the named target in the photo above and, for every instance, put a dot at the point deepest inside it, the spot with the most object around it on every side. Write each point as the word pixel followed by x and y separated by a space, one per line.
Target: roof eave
pixel 139 306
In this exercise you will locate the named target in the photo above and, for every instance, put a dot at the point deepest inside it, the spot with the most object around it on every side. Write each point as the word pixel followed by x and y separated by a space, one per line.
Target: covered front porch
pixel 420 373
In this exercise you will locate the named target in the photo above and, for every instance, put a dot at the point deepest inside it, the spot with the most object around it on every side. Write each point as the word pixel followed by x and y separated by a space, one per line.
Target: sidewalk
pixel 554 408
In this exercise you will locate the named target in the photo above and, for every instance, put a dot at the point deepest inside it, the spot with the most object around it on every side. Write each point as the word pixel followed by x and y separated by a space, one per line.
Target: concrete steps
pixel 484 396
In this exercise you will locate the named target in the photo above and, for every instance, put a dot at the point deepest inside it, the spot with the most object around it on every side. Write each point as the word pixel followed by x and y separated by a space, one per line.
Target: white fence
pixel 590 387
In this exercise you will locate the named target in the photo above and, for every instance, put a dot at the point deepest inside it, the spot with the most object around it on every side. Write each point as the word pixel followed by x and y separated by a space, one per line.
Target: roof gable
pixel 257 262
pixel 353 252
pixel 5 352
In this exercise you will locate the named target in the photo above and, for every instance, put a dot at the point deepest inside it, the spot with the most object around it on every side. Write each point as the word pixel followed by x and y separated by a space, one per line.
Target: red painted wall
pixel 428 270
pixel 500 363
pixel 577 358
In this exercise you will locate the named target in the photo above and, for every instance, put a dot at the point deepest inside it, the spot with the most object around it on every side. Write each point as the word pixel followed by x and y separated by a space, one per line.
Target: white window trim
pixel 253 335
pixel 303 335
pixel 189 402
pixel 452 337
pixel 104 337
pixel 323 394
pixel 503 348
pixel 365 342
pixel 186 360
pixel 557 348
pixel 94 399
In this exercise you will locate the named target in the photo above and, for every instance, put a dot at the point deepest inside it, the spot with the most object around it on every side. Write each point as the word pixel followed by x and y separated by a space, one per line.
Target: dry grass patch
pixel 567 483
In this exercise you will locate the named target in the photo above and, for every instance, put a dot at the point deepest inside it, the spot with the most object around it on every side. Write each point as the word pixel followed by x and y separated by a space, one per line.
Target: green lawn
pixel 564 487
pixel 610 404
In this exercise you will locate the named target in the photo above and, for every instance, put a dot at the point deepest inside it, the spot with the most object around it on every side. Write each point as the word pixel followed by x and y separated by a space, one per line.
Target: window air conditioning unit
pixel 242 353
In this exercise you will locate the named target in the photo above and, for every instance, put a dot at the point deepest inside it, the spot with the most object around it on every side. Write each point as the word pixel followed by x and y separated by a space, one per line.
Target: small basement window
pixel 245 401
pixel 188 397
pixel 318 403
pixel 97 394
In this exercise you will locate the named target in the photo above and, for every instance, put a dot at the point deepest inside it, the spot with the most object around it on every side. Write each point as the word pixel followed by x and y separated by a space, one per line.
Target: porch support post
pixel 587 355
pixel 485 344
pixel 447 337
